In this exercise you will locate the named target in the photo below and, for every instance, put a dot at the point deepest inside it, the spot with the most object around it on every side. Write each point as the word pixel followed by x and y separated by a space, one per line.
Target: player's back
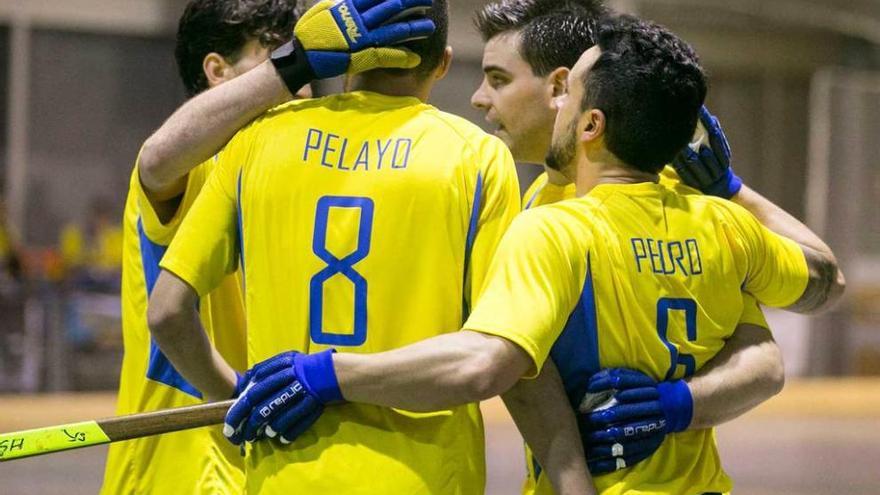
pixel 663 275
pixel 366 221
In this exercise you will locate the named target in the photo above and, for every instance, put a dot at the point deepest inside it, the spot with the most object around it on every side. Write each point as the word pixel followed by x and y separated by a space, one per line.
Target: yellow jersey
pixel 638 276
pixel 365 223
pixel 542 192
pixel 193 461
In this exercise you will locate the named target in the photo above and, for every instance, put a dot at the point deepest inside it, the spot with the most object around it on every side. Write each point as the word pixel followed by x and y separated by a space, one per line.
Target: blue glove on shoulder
pixel 635 415
pixel 286 395
pixel 705 164
pixel 336 37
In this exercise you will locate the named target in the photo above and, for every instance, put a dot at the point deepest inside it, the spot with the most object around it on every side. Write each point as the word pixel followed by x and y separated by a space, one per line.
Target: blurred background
pixel 796 84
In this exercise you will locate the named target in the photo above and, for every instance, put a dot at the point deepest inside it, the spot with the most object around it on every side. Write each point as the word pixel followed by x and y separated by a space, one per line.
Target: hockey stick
pixel 39 441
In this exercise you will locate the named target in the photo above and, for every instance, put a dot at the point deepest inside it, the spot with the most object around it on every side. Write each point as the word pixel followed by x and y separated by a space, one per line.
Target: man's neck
pixel 592 174
pixel 556 177
pixel 390 85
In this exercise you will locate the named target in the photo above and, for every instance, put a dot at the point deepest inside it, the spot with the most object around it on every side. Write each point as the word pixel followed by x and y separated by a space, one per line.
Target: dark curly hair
pixel 223 27
pixel 650 86
pixel 554 33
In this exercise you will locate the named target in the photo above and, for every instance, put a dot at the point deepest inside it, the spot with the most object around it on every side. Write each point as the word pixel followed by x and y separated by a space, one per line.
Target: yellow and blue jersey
pixel 542 192
pixel 192 461
pixel 365 223
pixel 638 276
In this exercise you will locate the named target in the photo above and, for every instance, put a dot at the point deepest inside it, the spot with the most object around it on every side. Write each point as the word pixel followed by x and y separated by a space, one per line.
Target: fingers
pixel 257 393
pixel 627 449
pixel 384 58
pixel 301 427
pixel 292 415
pixel 629 457
pixel 623 413
pixel 619 378
pixel 717 139
pixel 631 431
pixel 262 415
pixel 400 32
pixel 375 15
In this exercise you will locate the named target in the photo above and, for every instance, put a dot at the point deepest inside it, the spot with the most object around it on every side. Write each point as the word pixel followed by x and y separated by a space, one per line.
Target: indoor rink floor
pixel 816 438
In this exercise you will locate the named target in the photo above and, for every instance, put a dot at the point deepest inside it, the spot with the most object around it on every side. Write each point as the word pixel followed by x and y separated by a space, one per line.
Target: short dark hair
pixel 432 48
pixel 650 86
pixel 224 26
pixel 554 33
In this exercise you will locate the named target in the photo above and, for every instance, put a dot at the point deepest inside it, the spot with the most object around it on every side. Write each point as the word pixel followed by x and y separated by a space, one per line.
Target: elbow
pixel 776 378
pixel 160 318
pixel 492 369
pixel 150 166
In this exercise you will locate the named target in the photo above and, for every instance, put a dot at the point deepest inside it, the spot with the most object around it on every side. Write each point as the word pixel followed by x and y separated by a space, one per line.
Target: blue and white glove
pixel 336 37
pixel 705 163
pixel 633 417
pixel 285 396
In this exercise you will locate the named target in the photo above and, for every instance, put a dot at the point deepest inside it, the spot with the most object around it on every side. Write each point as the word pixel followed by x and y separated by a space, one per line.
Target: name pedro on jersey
pixel 667 257
pixel 334 151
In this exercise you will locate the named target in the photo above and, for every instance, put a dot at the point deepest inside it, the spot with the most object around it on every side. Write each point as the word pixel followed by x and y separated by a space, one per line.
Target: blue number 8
pixel 345 266
pixel 689 306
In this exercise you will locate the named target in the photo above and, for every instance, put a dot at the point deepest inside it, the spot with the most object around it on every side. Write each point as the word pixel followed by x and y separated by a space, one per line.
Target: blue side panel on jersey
pixel 576 351
pixel 471 235
pixel 159 368
pixel 240 228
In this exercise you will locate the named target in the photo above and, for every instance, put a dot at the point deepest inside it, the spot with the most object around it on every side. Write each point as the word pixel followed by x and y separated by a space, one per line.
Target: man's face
pixel 515 100
pixel 566 130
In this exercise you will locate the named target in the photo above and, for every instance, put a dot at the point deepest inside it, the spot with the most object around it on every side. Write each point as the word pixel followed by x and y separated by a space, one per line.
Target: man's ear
pixel 216 69
pixel 445 64
pixel 558 81
pixel 592 125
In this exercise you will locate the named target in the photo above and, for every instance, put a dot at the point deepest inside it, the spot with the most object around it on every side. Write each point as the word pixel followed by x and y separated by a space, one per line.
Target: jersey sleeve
pixel 752 313
pixel 776 268
pixel 206 247
pixel 531 288
pixel 163 232
pixel 498 205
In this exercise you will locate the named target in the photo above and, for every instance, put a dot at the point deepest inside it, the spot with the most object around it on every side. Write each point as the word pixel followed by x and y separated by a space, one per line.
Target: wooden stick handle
pixel 164 421
pixel 40 441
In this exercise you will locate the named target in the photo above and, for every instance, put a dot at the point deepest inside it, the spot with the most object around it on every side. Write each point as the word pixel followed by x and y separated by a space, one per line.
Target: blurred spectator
pixel 10 257
pixel 92 257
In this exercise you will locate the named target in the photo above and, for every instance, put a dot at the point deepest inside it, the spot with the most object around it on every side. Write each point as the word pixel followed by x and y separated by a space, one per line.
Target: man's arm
pixel 203 125
pixel 746 372
pixel 547 422
pixel 826 282
pixel 445 371
pixel 706 165
pixel 174 324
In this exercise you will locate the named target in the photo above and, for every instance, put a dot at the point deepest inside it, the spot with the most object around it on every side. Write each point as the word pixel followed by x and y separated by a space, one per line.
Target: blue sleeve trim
pixel 159 368
pixel 534 197
pixel 471 235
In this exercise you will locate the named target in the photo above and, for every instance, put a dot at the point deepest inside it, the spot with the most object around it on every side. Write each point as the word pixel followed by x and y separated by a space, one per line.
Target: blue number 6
pixel 345 266
pixel 689 306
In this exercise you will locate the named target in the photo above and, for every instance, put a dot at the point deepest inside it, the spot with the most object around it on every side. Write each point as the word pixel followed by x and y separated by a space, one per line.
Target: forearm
pixel 778 220
pixel 826 282
pixel 745 373
pixel 543 415
pixel 204 124
pixel 437 373
pixel 175 326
